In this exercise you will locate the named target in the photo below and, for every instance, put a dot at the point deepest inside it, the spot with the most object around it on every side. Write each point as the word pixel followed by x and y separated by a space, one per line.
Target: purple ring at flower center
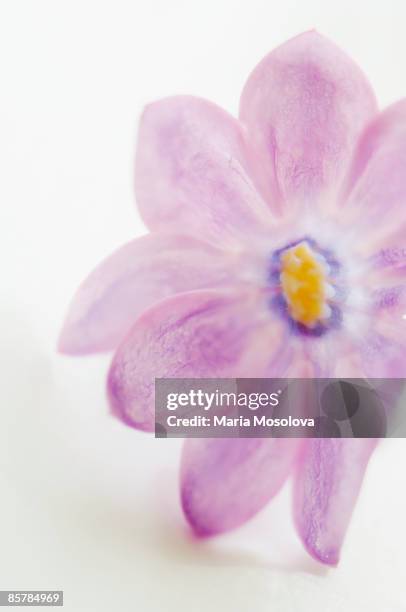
pixel 302 286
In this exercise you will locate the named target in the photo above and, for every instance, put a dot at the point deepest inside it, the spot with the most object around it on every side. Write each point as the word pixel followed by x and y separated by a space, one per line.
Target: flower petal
pixel 375 190
pixel 133 278
pixel 304 106
pixel 192 171
pixel 326 487
pixel 369 347
pixel 202 334
pixel 390 308
pixel 225 482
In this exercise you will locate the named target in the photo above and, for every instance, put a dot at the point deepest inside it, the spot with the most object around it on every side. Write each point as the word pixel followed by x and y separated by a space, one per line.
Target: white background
pixel 86 504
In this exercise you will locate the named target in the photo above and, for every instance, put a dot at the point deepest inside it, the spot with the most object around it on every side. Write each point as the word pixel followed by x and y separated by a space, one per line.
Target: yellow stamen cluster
pixel 304 284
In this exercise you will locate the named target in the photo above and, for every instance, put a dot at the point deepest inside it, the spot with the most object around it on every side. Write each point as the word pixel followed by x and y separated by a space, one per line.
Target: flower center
pixel 304 278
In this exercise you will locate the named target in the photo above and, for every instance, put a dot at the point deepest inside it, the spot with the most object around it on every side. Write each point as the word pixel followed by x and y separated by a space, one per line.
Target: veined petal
pixel 192 172
pixel 368 347
pixel 202 334
pixel 304 106
pixel 326 487
pixel 389 312
pixel 382 353
pixel 133 278
pixel 225 482
pixel 375 190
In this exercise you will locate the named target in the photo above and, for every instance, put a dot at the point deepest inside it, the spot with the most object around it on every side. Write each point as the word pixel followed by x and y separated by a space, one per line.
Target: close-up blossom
pixel 275 249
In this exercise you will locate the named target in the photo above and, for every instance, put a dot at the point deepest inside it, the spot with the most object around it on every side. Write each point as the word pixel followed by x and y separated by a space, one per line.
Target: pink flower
pixel 277 249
